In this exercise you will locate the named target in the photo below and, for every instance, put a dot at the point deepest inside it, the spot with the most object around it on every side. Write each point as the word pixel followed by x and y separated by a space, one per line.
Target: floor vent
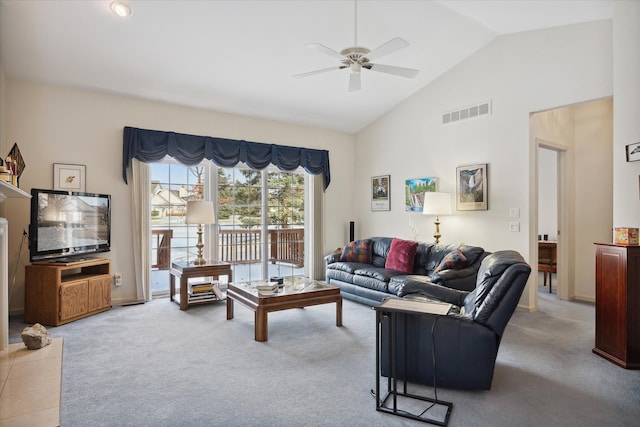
pixel 466 113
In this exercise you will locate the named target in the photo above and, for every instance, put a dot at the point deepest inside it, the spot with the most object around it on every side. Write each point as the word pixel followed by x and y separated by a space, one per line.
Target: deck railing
pixel 163 248
pixel 242 246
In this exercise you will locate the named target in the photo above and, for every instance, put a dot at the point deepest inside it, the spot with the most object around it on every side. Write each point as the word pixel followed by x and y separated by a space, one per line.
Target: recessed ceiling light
pixel 120 8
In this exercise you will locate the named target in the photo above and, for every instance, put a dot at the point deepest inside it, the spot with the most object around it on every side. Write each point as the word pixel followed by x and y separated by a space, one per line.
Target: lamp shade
pixel 436 203
pixel 200 212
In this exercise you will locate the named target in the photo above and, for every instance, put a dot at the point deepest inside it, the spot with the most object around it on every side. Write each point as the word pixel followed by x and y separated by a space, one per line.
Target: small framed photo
pixel 633 152
pixel 471 188
pixel 69 177
pixel 380 193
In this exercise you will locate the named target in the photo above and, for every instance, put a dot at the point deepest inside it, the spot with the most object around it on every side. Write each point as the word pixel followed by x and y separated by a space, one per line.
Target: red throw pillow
pixel 357 251
pixel 401 255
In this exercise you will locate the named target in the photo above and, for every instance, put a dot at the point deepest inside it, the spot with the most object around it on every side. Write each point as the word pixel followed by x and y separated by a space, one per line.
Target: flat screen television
pixel 67 225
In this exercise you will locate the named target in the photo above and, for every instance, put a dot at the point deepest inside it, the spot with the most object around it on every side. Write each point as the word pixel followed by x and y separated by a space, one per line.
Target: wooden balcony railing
pixel 242 246
pixel 163 248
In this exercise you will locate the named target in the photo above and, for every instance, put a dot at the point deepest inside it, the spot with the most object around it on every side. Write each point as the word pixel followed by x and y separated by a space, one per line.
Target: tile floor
pixel 30 385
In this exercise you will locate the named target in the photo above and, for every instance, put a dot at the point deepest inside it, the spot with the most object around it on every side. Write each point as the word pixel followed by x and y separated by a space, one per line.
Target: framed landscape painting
pixel 414 192
pixel 380 193
pixel 471 188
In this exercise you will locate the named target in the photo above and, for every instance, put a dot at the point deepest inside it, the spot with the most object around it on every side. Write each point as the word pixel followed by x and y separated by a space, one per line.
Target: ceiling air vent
pixel 466 113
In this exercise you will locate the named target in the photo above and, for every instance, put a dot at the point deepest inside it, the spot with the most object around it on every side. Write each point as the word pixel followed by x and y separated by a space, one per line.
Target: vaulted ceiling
pixel 240 56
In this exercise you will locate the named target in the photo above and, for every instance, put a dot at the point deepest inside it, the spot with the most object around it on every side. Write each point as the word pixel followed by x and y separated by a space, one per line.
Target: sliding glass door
pixel 261 222
pixel 260 225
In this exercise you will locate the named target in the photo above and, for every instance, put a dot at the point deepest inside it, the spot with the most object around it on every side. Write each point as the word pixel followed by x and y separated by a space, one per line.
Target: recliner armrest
pixel 433 291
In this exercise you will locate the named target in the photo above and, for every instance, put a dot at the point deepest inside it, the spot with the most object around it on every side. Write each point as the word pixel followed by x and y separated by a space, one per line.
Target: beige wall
pixel 520 74
pixel 626 107
pixel 61 125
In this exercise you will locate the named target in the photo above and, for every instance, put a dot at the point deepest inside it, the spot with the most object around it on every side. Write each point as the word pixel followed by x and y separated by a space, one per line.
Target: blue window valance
pixel 153 145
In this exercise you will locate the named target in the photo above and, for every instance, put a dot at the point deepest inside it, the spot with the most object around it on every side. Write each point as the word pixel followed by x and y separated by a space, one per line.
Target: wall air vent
pixel 466 113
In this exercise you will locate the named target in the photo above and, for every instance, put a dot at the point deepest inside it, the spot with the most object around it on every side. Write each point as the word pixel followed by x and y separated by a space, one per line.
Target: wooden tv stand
pixel 58 293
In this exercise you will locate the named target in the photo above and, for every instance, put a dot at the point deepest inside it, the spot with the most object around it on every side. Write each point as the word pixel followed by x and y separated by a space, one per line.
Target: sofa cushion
pixel 370 283
pixel 349 267
pixel 453 260
pixel 382 274
pixel 357 251
pixel 401 255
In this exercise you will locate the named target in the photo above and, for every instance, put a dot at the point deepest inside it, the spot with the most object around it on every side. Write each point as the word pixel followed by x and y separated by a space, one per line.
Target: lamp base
pixel 437 234
pixel 199 260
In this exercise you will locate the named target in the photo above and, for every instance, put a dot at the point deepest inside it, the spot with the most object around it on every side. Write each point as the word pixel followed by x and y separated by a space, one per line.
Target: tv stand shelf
pixel 58 293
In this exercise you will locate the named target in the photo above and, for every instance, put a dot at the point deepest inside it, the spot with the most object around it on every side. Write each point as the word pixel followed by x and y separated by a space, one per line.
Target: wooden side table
pixel 183 271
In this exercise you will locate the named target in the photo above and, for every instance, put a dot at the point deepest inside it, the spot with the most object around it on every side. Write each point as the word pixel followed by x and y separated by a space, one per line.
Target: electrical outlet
pixel 118 279
pixel 514 226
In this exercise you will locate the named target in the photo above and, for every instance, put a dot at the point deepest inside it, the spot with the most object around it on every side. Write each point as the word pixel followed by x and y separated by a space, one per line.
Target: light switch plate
pixel 514 212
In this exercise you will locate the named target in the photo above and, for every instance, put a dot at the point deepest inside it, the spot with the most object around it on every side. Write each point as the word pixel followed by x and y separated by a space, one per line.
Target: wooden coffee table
pixel 311 292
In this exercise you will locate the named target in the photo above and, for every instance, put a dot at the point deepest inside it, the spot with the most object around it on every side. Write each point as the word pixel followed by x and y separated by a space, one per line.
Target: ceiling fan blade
pixel 313 73
pixel 396 71
pixel 354 81
pixel 326 50
pixel 387 48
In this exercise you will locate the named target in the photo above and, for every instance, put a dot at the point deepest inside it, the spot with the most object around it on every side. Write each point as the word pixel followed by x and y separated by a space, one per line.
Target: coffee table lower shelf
pixel 176 299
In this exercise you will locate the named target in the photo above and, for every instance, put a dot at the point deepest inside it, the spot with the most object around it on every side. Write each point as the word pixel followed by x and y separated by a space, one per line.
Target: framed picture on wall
pixel 381 193
pixel 633 152
pixel 414 190
pixel 69 177
pixel 471 188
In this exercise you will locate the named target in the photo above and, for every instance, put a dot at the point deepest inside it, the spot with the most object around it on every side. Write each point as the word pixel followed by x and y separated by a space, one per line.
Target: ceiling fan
pixel 357 58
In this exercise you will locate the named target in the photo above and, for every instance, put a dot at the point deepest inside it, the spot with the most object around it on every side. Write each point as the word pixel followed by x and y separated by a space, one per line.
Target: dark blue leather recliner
pixel 467 339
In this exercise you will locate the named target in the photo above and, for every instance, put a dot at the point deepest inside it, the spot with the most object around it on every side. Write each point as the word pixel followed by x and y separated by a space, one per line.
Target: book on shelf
pixel 200 287
pixel 204 297
pixel 199 291
pixel 217 292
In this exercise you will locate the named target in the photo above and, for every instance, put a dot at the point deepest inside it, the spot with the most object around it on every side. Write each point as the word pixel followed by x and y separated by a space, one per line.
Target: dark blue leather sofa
pixel 371 283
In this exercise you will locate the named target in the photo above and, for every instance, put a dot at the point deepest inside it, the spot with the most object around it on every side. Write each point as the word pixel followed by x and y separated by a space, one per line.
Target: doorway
pixel 581 135
pixel 548 182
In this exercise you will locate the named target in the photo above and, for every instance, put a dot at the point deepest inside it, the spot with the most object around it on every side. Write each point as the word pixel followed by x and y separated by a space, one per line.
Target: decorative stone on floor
pixel 36 336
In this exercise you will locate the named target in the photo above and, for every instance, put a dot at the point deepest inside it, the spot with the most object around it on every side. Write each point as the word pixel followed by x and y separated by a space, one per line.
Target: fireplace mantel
pixel 6 191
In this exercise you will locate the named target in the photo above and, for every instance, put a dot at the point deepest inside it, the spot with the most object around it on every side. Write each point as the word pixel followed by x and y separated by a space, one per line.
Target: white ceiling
pixel 240 56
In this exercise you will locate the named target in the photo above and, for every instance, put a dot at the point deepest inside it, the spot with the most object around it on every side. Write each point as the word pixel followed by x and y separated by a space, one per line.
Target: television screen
pixel 68 224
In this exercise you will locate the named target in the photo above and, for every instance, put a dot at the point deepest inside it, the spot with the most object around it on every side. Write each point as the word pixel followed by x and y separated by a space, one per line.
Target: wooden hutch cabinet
pixel 60 293
pixel 618 304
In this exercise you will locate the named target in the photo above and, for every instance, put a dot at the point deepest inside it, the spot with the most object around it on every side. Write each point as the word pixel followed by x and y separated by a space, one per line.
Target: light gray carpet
pixel 154 365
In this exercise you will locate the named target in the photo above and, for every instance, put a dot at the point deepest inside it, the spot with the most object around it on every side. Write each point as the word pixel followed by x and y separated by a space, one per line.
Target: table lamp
pixel 437 204
pixel 200 212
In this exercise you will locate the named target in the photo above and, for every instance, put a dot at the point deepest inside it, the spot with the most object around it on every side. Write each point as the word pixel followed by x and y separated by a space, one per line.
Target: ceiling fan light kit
pixel 357 57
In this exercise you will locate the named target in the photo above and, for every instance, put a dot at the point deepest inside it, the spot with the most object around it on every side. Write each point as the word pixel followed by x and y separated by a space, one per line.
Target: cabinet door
pixel 611 297
pixel 73 299
pixel 99 292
